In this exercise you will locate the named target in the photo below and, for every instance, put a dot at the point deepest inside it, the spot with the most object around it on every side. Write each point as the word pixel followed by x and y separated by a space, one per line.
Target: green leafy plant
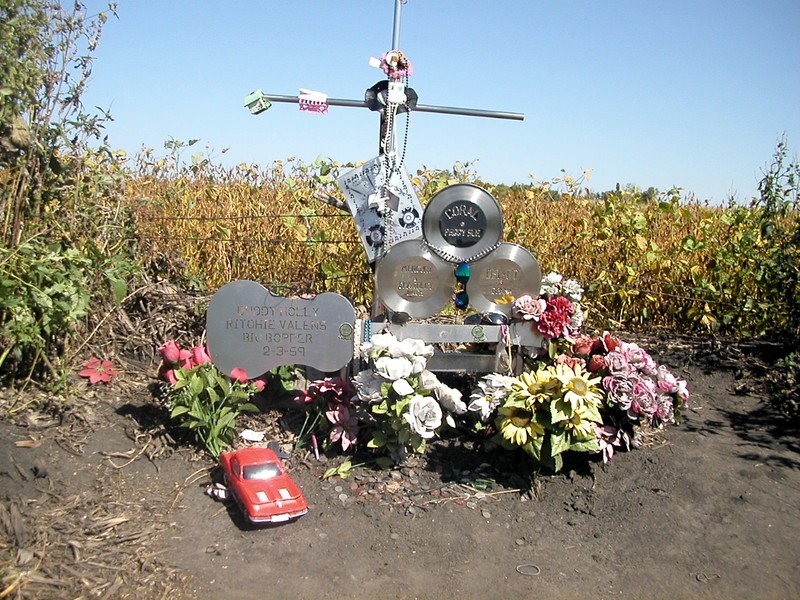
pixel 207 404
pixel 43 294
pixel 784 393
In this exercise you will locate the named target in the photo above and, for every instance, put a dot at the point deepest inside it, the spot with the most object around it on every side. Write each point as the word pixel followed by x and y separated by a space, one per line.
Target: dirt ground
pixel 98 501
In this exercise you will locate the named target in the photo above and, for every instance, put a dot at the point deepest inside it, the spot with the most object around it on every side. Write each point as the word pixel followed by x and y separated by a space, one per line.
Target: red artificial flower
pixel 610 342
pixel 554 322
pixel 167 373
pixel 239 374
pixel 200 355
pixel 171 352
pixel 98 370
pixel 596 363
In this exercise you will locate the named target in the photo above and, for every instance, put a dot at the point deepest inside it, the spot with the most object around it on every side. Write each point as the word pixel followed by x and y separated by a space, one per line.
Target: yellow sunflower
pixel 517 424
pixel 580 424
pixel 535 386
pixel 579 389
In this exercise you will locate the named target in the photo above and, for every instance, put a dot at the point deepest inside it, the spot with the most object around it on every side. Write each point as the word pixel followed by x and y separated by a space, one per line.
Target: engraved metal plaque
pixel 251 328
pixel 510 269
pixel 462 222
pixel 411 279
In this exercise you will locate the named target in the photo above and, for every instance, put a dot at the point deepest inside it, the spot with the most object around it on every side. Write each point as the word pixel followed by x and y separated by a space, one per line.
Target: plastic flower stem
pixel 315 446
pixel 308 429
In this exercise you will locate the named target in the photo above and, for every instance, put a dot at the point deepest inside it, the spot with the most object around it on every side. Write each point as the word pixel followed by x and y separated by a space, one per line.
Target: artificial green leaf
pixel 403 436
pixel 343 470
pixel 585 446
pixel 560 410
pixel 384 462
pixel 559 442
pixel 178 411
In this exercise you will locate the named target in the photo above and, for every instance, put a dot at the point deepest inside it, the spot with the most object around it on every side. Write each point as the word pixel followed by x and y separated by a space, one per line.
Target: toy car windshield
pixel 267 471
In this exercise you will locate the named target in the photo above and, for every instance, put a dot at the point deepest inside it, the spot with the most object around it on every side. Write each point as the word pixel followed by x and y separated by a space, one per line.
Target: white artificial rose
pixel 402 388
pixel 411 347
pixel 404 348
pixel 428 381
pixel 424 415
pixel 368 386
pixel 418 364
pixel 379 343
pixel 450 399
pixel 393 368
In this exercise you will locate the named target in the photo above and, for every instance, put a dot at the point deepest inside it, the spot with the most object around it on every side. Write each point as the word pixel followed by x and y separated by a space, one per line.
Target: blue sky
pixel 687 93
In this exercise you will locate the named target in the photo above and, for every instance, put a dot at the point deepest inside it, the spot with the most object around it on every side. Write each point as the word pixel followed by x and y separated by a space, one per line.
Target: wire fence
pixel 659 291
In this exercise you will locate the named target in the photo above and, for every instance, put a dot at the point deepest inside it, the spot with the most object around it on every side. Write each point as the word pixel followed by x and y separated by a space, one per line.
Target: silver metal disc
pixel 411 279
pixel 512 270
pixel 462 222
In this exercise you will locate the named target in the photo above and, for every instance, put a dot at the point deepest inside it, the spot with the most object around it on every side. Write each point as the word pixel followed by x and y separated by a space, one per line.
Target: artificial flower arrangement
pixel 576 394
pixel 329 407
pixel 579 393
pixel 203 400
pixel 405 403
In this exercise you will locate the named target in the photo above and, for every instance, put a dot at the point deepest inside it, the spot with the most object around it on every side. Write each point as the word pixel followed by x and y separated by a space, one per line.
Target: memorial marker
pixel 250 328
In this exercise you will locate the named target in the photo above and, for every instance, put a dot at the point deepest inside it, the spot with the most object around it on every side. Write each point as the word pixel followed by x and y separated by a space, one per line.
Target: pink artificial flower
pixel 200 355
pixel 639 359
pixel 97 370
pixel 345 425
pixel 683 390
pixel 239 374
pixel 583 345
pixel 340 387
pixel 259 384
pixel 644 397
pixel 619 389
pixel 172 353
pixel 618 364
pixel 304 398
pixel 330 388
pixel 167 373
pixel 608 437
pixel 528 308
pixel 571 361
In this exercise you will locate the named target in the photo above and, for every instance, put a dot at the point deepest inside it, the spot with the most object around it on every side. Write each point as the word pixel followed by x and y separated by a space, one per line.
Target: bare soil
pixel 99 500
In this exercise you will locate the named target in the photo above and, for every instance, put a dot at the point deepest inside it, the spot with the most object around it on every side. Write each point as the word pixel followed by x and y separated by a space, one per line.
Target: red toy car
pixel 261 486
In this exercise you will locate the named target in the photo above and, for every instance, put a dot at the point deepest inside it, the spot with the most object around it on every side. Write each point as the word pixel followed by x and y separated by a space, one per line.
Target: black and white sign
pixel 386 209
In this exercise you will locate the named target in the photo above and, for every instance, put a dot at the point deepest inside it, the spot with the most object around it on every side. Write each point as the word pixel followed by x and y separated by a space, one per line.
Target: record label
pixel 507 273
pixel 462 223
pixel 410 279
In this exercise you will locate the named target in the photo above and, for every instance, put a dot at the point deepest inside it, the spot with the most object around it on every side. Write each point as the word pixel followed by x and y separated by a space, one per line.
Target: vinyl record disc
pixel 462 222
pixel 510 269
pixel 411 279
